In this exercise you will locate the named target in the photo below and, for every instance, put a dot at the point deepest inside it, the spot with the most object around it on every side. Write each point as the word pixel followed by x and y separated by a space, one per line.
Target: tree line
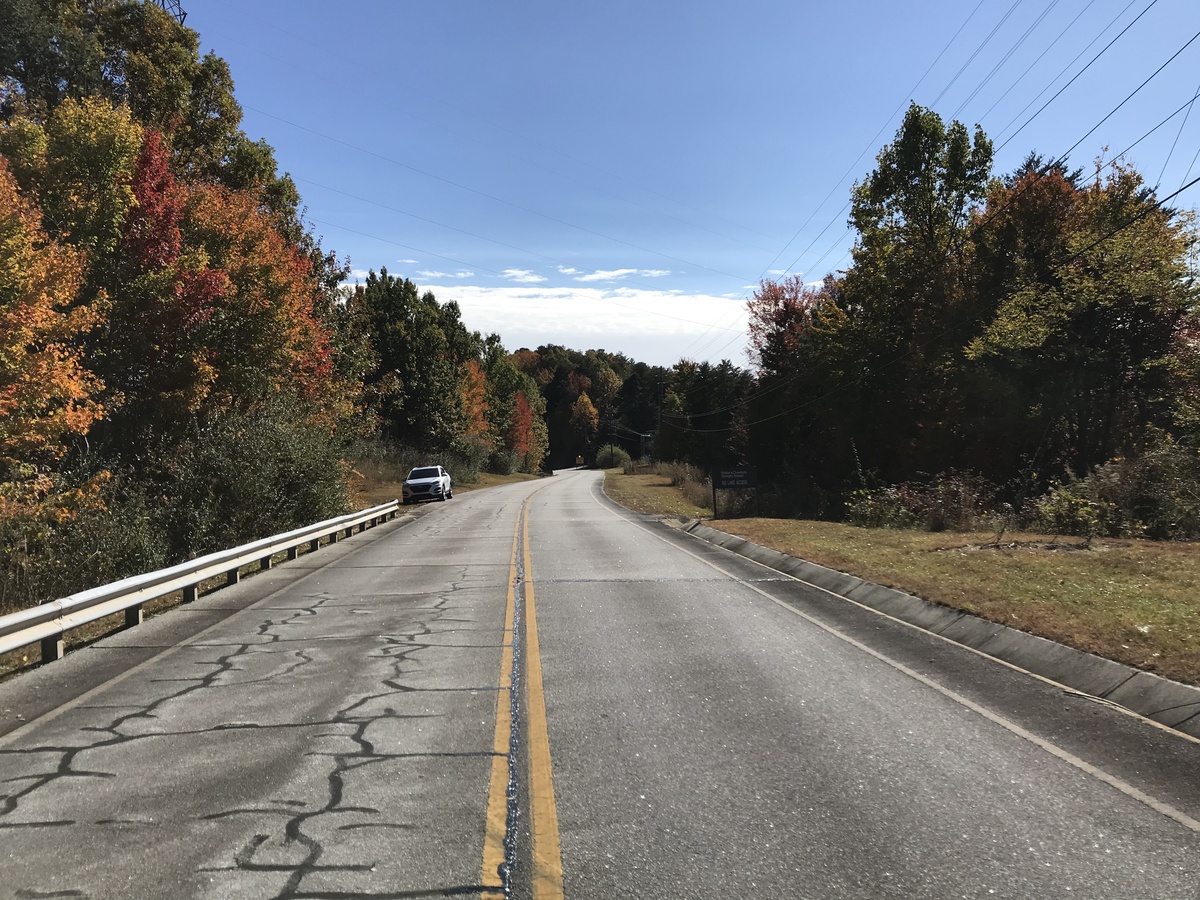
pixel 183 365
pixel 1023 342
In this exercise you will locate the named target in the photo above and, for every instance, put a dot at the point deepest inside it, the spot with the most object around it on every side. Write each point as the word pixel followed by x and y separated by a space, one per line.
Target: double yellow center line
pixel 546 852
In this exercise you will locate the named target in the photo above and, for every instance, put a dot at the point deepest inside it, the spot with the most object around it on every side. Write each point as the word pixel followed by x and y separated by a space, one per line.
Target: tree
pixel 416 381
pixel 47 394
pixel 50 48
pixel 905 327
pixel 266 335
pixel 516 408
pixel 156 352
pixel 475 404
pixel 1087 294
pixel 79 166
pixel 584 419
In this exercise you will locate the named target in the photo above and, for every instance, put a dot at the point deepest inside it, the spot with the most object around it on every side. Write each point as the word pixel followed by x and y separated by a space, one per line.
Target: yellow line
pixel 497 806
pixel 543 815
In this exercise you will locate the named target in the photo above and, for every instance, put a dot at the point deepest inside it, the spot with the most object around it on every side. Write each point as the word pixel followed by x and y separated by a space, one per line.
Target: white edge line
pixel 1124 787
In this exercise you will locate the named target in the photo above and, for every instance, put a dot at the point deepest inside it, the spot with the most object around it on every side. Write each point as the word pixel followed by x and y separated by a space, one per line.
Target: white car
pixel 427 483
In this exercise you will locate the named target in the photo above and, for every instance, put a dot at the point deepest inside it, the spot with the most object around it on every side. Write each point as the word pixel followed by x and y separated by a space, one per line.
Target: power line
pixel 1047 168
pixel 1042 55
pixel 1174 143
pixel 1133 93
pixel 970 59
pixel 1007 56
pixel 983 222
pixel 1058 93
pixel 857 159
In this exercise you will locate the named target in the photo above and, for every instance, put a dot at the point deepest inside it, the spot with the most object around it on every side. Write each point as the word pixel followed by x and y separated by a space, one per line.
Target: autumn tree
pixel 79 165
pixel 1086 293
pixel 475 404
pixel 47 394
pixel 516 409
pixel 265 332
pixel 157 353
pixel 585 420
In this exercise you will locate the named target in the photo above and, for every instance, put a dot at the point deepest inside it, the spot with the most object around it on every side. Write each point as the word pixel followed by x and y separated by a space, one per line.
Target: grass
pixel 1136 602
pixel 651 493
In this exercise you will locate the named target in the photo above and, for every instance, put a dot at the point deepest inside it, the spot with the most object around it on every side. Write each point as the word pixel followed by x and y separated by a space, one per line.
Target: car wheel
pixel 450 495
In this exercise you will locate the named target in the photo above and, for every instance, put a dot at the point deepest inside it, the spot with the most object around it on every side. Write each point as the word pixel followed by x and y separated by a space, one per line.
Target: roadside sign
pixel 731 479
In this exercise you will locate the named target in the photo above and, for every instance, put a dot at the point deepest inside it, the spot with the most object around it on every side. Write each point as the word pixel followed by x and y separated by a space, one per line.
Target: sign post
pixel 732 480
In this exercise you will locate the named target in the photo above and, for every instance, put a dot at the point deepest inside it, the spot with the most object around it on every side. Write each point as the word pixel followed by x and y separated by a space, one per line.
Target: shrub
pixel 1064 510
pixel 42 559
pixel 680 472
pixel 1156 495
pixel 504 462
pixel 610 456
pixel 239 477
pixel 384 460
pixel 697 493
pixel 950 501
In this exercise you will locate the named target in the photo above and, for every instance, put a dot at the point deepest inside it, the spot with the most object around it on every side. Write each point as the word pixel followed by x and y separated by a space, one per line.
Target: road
pixel 530 690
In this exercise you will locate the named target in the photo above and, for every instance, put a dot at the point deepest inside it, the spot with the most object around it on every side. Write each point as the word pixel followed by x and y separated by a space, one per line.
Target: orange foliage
pixel 474 400
pixel 271 336
pixel 45 391
pixel 521 436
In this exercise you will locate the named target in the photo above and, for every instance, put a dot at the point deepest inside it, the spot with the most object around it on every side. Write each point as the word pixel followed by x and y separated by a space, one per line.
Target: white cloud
pixel 424 273
pixel 568 270
pixel 617 274
pixel 359 274
pixel 658 327
pixel 522 276
pixel 408 262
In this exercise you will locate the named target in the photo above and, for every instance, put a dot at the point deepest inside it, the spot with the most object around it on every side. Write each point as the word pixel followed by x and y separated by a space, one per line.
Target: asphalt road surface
pixel 531 692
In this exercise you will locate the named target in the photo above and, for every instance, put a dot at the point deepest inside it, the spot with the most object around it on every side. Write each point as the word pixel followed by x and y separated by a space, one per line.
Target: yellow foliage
pixel 45 390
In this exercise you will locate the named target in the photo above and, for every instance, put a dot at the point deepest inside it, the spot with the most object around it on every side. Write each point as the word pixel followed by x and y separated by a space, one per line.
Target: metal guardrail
pixel 48 622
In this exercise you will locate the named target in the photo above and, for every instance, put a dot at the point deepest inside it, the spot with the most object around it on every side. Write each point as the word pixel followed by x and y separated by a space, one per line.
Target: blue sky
pixel 620 175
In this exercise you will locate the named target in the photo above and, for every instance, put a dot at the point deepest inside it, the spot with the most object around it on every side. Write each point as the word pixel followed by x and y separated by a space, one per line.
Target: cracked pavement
pixel 328 733
pixel 327 729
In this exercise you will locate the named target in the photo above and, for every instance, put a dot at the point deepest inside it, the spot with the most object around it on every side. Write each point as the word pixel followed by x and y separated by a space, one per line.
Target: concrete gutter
pixel 1166 702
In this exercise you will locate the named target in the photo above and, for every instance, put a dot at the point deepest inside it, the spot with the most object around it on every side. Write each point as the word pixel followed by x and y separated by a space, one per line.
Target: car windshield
pixel 431 472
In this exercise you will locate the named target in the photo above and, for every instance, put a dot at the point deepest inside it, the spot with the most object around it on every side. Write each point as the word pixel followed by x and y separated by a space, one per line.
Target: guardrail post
pixel 232 577
pixel 264 564
pixel 333 538
pixel 53 647
pixel 314 545
pixel 350 531
pixel 133 616
pixel 190 592
pixel 293 552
